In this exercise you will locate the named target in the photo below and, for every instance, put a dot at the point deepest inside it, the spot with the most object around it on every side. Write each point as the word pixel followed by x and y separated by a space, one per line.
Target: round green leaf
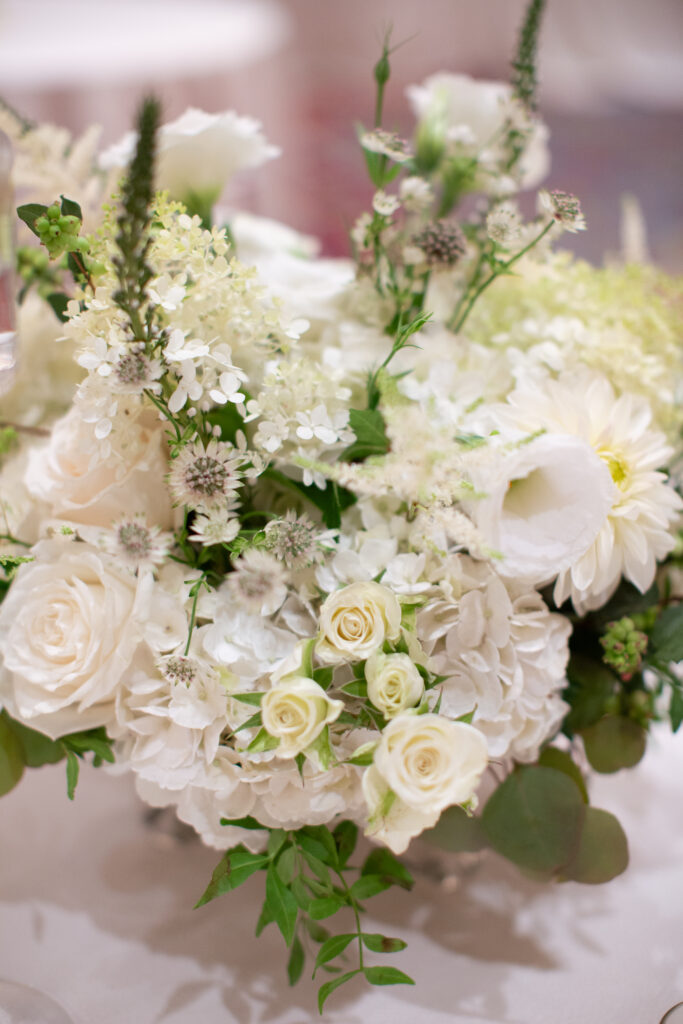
pixel 11 757
pixel 553 757
pixel 613 743
pixel 603 849
pixel 456 831
pixel 534 818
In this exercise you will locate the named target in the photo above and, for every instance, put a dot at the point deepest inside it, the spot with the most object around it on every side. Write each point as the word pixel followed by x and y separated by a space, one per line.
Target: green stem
pixel 14 540
pixel 193 613
pixel 354 907
pixel 456 324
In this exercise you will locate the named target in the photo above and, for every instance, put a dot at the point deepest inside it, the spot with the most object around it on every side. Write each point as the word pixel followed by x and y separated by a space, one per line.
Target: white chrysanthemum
pixel 636 533
pixel 502 652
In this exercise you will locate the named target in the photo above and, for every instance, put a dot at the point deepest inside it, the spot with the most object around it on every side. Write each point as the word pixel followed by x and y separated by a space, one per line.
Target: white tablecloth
pixel 96 911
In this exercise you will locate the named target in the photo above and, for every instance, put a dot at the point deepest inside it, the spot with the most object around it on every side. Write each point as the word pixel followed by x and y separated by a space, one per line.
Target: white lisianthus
pixel 546 503
pixel 68 629
pixel 394 683
pixel 459 110
pixel 295 712
pixel 199 152
pixel 356 620
pixel 422 764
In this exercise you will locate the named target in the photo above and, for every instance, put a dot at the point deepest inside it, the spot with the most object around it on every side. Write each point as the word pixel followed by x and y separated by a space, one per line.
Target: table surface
pixel 96 912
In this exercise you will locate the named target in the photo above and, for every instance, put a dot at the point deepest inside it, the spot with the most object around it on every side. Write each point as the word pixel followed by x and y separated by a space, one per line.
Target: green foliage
pixel 602 852
pixel 534 818
pixel 19 744
pixel 591 688
pixel 524 74
pixel 371 438
pixel 305 883
pixel 331 502
pixel 614 742
pixel 9 563
pixel 666 637
pixel 553 757
pixel 457 831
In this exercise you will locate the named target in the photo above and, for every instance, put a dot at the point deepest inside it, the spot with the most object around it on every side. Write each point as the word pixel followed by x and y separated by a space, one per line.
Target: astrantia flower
pixel 564 208
pixel 294 540
pixel 258 582
pixel 442 243
pixel 134 373
pixel 140 546
pixel 385 204
pixel 387 144
pixel 504 224
pixel 416 193
pixel 637 529
pixel 217 525
pixel 204 477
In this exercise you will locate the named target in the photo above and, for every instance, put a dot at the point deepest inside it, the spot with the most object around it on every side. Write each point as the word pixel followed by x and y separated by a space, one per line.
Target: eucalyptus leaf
pixel 614 743
pixel 11 757
pixel 553 757
pixel 602 852
pixel 534 818
pixel 666 637
pixel 457 831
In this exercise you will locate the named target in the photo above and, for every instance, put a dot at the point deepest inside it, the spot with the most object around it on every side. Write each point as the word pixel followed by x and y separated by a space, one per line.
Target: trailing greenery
pixel 524 66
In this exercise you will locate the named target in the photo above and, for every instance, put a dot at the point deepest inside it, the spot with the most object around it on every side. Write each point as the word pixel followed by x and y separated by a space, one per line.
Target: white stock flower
pixel 199 152
pixel 68 629
pixel 470 114
pixel 422 764
pixel 394 683
pixel 356 620
pixel 545 504
pixel 295 712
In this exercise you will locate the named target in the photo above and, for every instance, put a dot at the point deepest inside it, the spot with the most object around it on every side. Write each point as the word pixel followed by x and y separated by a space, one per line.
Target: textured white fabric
pixel 96 911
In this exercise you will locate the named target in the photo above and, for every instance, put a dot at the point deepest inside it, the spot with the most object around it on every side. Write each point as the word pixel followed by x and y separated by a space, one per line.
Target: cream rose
pixel 430 762
pixel 68 629
pixel 394 683
pixel 356 620
pixel 390 821
pixel 80 483
pixel 295 712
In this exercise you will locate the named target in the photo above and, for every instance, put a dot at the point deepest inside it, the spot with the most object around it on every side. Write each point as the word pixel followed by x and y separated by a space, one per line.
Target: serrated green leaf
pixel 263 741
pixel 345 836
pixel 251 723
pixel 300 893
pixel 72 769
pixel 321 834
pixel 286 865
pixel 534 818
pixel 381 862
pixel 317 867
pixel 553 757
pixel 11 757
pixel 276 841
pixel 332 948
pixel 295 964
pixel 282 904
pixel 666 638
pixel 386 976
pixel 326 990
pixel 602 852
pixel 383 943
pixel 457 831
pixel 29 213
pixel 320 750
pixel 232 870
pixel 326 906
pixel 369 885
pixel 614 743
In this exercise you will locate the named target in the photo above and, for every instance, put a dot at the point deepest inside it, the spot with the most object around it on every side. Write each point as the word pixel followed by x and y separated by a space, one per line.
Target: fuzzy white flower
pixel 259 582
pixel 205 477
pixel 137 544
pixel 295 712
pixel 394 683
pixel 356 620
pixel 68 630
pixel 199 152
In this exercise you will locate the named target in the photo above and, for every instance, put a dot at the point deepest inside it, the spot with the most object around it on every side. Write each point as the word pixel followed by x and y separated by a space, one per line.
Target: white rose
pixel 473 113
pixel 296 711
pixel 199 152
pixel 544 507
pixel 356 620
pixel 68 629
pixel 394 683
pixel 79 482
pixel 430 762
pixel 390 820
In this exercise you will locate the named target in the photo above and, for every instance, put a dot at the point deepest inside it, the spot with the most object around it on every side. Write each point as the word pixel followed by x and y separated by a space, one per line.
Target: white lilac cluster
pixel 291 580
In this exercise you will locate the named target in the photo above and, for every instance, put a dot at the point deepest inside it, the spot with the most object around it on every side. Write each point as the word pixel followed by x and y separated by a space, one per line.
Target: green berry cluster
pixel 60 232
pixel 624 646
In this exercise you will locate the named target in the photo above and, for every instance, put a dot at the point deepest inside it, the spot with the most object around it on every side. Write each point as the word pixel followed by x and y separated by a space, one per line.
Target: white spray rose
pixel 296 711
pixel 394 683
pixel 459 110
pixel 199 152
pixel 545 505
pixel 356 620
pixel 68 629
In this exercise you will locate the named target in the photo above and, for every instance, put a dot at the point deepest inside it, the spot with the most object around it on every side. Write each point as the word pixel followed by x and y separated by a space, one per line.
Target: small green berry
pixel 53 212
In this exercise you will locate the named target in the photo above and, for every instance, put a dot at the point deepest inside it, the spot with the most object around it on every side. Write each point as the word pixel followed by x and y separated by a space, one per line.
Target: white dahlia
pixel 637 530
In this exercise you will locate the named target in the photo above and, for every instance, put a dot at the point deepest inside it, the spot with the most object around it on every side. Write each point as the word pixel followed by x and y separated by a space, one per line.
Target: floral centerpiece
pixel 316 546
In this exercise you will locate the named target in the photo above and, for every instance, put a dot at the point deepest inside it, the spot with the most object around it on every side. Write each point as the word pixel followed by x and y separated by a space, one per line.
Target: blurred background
pixel 611 89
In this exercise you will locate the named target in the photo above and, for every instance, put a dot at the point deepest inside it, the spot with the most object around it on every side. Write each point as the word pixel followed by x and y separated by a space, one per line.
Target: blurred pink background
pixel 611 89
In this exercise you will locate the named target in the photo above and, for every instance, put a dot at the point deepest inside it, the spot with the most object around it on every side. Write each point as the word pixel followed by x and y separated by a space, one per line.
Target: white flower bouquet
pixel 316 546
